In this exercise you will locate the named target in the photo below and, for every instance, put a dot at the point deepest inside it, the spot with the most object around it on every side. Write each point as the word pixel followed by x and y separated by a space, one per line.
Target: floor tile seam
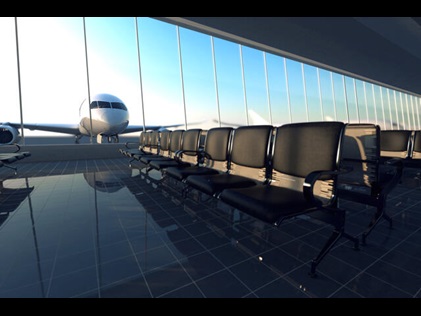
pixel 291 281
pixel 404 240
pixel 228 268
pixel 394 196
pixel 407 208
pixel 158 268
pixel 346 285
pixel 377 259
pixel 180 288
pixel 139 265
pixel 224 268
pixel 416 295
pixel 17 289
pixel 110 285
pixel 96 266
pixel 184 269
pixel 133 254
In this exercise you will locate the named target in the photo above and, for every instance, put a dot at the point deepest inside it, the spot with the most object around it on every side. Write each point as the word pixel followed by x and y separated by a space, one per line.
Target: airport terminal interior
pixel 80 220
pixel 99 228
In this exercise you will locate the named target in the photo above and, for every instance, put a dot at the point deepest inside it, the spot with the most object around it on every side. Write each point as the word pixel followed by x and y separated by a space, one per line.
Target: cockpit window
pixel 118 105
pixel 104 105
pixel 100 105
pixel 107 105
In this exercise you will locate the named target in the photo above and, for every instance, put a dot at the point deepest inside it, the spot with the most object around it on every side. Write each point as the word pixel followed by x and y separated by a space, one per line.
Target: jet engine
pixel 8 134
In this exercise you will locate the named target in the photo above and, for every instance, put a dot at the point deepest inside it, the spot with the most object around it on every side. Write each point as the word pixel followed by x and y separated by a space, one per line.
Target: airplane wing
pixel 72 129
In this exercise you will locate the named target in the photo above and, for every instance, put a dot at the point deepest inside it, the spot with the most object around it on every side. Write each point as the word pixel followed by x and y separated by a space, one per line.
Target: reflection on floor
pixel 98 228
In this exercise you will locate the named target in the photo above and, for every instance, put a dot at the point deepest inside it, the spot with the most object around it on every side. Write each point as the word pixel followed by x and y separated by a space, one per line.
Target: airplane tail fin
pixel 256 119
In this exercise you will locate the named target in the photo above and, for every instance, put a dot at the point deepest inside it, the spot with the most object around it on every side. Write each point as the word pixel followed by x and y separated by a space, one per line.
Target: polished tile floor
pixel 102 229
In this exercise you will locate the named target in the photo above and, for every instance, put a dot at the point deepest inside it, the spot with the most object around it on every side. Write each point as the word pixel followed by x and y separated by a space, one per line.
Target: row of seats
pixel 7 158
pixel 277 173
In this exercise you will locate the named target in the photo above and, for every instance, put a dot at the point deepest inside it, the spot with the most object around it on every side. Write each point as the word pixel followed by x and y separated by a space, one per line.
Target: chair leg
pixel 380 213
pixel 338 232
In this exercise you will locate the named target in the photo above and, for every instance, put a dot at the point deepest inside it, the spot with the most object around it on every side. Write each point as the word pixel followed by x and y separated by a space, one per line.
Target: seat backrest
pixel 416 146
pixel 190 144
pixel 216 148
pixel 142 139
pixel 395 143
pixel 146 140
pixel 164 143
pixel 175 142
pixel 301 148
pixel 249 151
pixel 361 152
pixel 154 142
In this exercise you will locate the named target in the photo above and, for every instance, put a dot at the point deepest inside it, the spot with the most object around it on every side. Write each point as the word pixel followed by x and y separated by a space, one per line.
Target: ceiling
pixel 383 50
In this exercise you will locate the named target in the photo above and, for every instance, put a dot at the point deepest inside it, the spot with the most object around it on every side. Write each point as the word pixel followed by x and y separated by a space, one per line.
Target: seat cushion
pixel 181 173
pixel 146 159
pixel 163 163
pixel 213 184
pixel 266 202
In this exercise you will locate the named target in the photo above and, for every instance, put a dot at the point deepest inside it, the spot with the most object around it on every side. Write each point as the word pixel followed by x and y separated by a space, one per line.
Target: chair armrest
pixel 179 153
pixel 312 177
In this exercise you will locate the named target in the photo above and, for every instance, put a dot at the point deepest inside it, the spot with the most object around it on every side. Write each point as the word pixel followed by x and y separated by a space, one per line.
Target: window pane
pixel 327 96
pixel 351 98
pixel 278 90
pixel 161 80
pixel 255 86
pixel 113 62
pixel 371 108
pixel 340 102
pixel 9 86
pixel 378 102
pixel 198 76
pixel 230 83
pixel 313 93
pixel 390 122
pixel 296 91
pixel 53 70
pixel 362 101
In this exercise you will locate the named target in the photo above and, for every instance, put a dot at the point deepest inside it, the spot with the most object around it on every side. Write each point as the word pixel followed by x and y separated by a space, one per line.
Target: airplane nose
pixel 114 121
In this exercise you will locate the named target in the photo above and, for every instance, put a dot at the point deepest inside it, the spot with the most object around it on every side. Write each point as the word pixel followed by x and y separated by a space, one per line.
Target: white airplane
pixel 109 117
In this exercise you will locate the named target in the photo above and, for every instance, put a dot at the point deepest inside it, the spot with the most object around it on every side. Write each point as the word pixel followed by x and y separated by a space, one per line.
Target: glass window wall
pixel 169 75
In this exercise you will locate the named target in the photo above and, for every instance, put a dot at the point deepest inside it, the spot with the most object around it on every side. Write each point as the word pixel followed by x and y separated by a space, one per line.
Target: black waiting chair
pixel 186 155
pixel 168 150
pixel 148 145
pixel 414 160
pixel 395 144
pixel 128 149
pixel 304 169
pixel 162 145
pixel 247 162
pixel 372 177
pixel 213 159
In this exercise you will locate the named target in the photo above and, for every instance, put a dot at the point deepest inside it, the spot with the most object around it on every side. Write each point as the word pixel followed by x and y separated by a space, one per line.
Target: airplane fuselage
pixel 107 122
pixel 106 115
